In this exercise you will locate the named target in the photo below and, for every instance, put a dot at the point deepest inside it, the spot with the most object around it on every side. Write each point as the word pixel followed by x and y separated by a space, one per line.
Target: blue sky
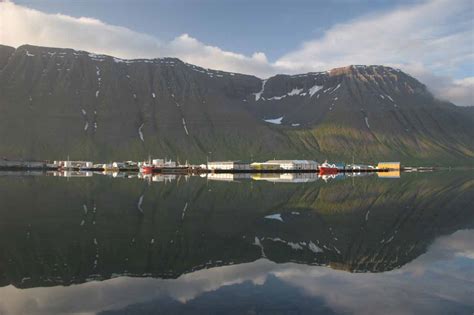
pixel 433 40
pixel 272 26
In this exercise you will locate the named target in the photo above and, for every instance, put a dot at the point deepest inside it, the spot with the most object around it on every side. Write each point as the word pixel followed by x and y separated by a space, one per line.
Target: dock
pixel 24 165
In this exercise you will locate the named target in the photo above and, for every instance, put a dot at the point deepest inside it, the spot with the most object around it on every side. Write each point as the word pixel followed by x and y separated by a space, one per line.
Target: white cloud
pixel 20 25
pixel 193 51
pixel 429 41
pixel 460 92
pixel 436 36
pixel 436 33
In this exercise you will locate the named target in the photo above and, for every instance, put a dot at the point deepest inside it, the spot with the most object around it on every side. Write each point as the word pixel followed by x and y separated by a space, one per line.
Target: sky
pixel 433 40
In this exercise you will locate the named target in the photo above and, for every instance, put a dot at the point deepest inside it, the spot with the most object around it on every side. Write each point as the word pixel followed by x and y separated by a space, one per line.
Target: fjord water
pixel 251 246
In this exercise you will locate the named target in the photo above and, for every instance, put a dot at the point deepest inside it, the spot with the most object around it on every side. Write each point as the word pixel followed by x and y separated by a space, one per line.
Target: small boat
pixel 327 168
pixel 147 169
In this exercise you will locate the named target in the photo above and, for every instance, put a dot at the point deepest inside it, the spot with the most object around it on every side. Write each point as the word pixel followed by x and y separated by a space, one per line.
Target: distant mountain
pixel 59 102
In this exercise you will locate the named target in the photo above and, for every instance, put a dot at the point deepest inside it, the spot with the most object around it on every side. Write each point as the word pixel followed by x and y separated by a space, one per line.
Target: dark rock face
pixel 5 53
pixel 57 102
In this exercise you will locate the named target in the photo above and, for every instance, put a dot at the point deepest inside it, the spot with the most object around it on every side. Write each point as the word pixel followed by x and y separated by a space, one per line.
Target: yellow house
pixel 265 166
pixel 388 166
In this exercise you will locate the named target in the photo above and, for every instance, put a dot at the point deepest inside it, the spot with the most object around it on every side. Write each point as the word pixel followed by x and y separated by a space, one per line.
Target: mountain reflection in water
pixel 263 245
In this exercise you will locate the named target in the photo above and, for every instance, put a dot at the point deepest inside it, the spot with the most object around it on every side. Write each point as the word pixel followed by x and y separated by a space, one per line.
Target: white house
pixel 228 165
pixel 295 164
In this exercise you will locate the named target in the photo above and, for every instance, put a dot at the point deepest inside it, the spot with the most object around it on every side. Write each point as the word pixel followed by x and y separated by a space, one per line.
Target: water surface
pixel 261 244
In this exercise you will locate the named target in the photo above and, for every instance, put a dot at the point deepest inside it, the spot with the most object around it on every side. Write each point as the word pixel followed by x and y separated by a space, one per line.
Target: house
pixel 291 164
pixel 228 166
pixel 119 165
pixel 388 166
pixel 265 166
pixel 170 164
pixel 73 164
pixel 359 167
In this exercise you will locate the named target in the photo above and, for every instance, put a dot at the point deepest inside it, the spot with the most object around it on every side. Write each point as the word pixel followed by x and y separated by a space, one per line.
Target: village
pixel 274 170
pixel 169 166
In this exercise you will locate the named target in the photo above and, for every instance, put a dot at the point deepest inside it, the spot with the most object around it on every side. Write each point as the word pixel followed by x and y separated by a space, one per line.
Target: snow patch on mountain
pixel 185 128
pixel 338 86
pixel 276 98
pixel 259 94
pixel 313 90
pixel 314 248
pixel 295 91
pixel 276 121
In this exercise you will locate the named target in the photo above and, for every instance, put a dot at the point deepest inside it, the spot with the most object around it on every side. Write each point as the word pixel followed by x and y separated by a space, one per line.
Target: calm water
pixel 290 244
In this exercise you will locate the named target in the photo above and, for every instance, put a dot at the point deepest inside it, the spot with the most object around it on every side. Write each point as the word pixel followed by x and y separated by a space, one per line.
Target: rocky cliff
pixel 58 102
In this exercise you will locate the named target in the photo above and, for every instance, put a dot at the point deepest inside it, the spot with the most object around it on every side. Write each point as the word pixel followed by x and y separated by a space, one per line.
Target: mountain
pixel 59 102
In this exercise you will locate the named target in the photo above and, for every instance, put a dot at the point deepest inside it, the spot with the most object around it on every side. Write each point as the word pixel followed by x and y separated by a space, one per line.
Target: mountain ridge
pixel 70 102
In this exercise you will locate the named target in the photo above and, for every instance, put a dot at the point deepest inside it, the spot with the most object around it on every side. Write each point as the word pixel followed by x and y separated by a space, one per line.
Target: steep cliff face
pixel 367 111
pixel 57 102
pixel 5 53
